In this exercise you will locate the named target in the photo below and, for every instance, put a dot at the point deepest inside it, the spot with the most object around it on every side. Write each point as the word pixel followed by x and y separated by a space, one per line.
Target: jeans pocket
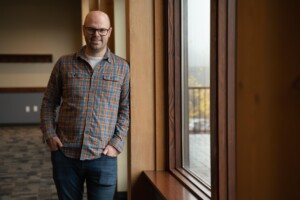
pixel 108 173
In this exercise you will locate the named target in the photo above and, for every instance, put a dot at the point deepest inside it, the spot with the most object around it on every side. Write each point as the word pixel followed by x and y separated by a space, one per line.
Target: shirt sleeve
pixel 123 115
pixel 50 103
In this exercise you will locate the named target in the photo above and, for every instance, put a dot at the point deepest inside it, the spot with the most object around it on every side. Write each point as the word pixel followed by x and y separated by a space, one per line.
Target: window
pixel 195 88
pixel 201 88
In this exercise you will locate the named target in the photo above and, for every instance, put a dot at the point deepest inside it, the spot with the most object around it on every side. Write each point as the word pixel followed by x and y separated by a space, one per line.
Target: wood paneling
pixel 268 105
pixel 160 86
pixel 174 84
pixel 214 99
pixel 171 80
pixel 85 8
pixel 107 6
pixel 231 99
pixel 94 4
pixel 140 54
pixel 222 110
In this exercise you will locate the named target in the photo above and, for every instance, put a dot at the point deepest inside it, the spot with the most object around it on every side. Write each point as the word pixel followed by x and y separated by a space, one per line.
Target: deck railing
pixel 199 109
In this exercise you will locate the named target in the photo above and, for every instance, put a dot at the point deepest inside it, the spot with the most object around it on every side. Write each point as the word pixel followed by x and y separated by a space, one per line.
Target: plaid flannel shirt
pixel 93 105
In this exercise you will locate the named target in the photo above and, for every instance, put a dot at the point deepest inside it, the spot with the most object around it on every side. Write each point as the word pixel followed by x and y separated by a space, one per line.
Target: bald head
pixel 97 15
pixel 97 30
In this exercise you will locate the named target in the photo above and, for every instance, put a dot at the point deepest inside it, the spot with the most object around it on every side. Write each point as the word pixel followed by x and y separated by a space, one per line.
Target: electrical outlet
pixel 35 108
pixel 27 108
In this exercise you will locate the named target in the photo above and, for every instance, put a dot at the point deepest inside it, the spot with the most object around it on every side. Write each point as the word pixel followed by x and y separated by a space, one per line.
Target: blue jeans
pixel 70 174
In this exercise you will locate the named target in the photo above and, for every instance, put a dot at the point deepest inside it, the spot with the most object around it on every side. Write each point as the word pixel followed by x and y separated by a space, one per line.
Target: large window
pixel 201 88
pixel 195 84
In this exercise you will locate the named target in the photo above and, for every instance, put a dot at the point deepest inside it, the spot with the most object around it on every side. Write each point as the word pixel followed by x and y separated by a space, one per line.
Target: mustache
pixel 96 37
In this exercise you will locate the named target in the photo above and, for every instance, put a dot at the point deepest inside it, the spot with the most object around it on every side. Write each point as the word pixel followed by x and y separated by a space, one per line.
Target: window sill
pixel 168 186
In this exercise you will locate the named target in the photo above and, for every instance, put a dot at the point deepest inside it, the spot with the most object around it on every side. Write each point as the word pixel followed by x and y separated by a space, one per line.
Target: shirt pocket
pixel 76 84
pixel 111 78
pixel 111 87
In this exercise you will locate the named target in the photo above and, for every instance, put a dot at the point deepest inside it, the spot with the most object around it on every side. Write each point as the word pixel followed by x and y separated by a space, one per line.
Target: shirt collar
pixel 107 56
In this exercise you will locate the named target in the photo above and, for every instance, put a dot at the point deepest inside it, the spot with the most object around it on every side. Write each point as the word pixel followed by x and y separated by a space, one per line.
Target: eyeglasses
pixel 92 31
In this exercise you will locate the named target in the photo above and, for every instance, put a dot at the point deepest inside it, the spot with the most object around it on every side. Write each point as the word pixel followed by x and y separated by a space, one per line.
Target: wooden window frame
pixel 223 101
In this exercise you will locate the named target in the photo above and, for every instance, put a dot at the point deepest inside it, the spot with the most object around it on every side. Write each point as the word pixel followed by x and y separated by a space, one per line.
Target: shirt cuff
pixel 117 143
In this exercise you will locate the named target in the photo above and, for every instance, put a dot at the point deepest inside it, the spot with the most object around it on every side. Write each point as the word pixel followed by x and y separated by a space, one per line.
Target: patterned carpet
pixel 25 168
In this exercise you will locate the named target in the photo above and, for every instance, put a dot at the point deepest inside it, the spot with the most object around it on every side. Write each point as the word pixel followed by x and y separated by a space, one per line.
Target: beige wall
pixel 120 49
pixel 37 27
pixel 268 105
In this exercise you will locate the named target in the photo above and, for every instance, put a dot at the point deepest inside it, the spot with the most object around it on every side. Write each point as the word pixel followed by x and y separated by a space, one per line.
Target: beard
pixel 95 45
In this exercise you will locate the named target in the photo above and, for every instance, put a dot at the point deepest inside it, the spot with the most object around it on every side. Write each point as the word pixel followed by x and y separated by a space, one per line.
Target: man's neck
pixel 92 53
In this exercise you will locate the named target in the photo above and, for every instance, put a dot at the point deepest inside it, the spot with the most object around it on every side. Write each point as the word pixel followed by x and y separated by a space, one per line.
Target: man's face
pixel 96 31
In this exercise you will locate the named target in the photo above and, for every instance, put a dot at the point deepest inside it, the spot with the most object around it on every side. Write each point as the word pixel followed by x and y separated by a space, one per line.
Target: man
pixel 92 89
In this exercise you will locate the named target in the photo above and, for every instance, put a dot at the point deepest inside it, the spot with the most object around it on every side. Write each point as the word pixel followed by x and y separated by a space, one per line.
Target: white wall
pixel 37 27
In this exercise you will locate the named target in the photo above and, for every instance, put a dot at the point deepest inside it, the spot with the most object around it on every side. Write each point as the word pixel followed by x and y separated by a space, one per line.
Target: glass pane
pixel 196 88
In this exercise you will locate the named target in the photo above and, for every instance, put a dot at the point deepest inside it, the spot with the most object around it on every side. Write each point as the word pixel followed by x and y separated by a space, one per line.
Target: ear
pixel 109 31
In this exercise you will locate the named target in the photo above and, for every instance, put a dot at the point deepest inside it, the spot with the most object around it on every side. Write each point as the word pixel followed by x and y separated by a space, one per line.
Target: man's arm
pixel 51 101
pixel 123 115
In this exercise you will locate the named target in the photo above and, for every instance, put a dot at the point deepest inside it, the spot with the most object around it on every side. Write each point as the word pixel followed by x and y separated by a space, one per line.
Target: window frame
pixel 223 101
